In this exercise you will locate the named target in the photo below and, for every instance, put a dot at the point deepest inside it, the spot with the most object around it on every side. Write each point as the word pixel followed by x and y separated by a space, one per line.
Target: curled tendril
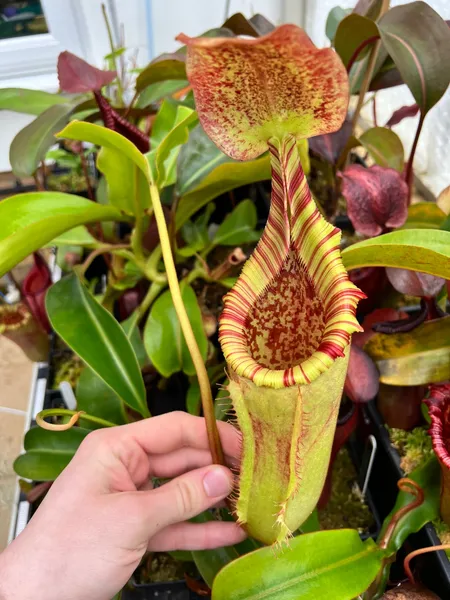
pixel 409 486
pixel 411 555
pixel 40 420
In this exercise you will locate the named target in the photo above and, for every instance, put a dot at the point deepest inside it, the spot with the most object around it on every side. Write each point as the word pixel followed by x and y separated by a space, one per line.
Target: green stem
pixel 191 342
pixel 153 292
pixel 113 49
pixel 151 267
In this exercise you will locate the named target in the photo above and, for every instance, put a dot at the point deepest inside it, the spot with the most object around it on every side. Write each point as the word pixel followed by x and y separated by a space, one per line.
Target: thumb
pixel 186 496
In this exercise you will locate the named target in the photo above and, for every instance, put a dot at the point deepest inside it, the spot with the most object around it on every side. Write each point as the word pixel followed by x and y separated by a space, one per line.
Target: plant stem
pixel 366 82
pixel 113 49
pixel 359 49
pixel 153 292
pixel 411 555
pixel 374 110
pixel 97 252
pixel 409 166
pixel 191 342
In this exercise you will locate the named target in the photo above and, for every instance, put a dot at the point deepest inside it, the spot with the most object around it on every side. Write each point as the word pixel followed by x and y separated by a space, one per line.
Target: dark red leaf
pixel 330 145
pixel 377 198
pixel 399 405
pixel 362 382
pixel 413 283
pixel 76 76
pixel 377 316
pixel 402 113
pixel 372 281
pixel 34 288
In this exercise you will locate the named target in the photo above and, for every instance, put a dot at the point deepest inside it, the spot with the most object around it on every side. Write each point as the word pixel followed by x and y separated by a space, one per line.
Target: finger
pixel 183 460
pixel 192 536
pixel 185 496
pixel 175 430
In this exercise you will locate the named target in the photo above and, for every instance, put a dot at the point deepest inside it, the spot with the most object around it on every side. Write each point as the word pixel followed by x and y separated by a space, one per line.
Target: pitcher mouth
pixel 13 317
pixel 292 311
pixel 438 404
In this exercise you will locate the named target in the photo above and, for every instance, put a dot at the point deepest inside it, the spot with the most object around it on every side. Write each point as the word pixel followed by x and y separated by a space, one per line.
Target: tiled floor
pixel 16 373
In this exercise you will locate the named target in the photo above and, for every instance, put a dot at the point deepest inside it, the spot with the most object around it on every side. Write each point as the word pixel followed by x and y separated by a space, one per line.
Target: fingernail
pixel 216 482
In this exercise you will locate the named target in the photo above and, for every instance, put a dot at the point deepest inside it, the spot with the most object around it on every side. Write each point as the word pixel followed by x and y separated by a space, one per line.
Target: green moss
pixel 69 370
pixel 414 446
pixel 346 507
pixel 443 531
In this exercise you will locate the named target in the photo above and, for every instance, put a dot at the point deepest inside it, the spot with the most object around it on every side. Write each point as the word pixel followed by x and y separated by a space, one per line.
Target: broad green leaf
pixel 30 145
pixel 424 215
pixel 98 339
pixel 418 357
pixel 425 250
pixel 335 16
pixel 315 564
pixel 30 102
pixel 156 91
pixel 96 398
pixel 352 31
pixel 428 477
pixel 198 157
pixel 165 120
pixel 119 158
pixel 418 41
pixel 195 233
pixel 223 178
pixel 210 562
pixel 47 453
pixel 384 146
pixel 193 398
pixel 238 227
pixel 30 221
pixel 164 67
pixel 163 338
pixel 134 335
pixel 78 236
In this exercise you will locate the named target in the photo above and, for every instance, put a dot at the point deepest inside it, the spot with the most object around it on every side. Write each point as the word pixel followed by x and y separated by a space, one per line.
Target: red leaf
pixel 402 113
pixel 414 283
pixel 362 382
pixel 34 288
pixel 377 198
pixel 76 76
pixel 250 90
pixel 372 281
pixel 330 145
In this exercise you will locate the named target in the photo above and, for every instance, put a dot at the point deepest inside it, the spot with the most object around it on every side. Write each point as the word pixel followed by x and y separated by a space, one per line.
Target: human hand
pixel 101 515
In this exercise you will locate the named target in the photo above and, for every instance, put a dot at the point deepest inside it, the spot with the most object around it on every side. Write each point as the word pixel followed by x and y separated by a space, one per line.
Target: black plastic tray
pixel 434 567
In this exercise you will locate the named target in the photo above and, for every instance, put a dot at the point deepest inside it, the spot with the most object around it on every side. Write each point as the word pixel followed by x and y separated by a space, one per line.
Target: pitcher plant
pixel 286 325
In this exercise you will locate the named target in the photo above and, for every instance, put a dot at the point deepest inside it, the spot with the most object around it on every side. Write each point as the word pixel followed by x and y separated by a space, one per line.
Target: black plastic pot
pixel 434 567
pixel 174 590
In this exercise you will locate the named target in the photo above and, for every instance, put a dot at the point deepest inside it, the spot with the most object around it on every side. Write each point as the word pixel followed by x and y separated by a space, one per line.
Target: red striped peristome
pixel 438 403
pixel 292 311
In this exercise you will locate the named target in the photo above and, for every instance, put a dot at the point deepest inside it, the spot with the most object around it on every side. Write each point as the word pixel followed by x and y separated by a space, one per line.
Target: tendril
pixel 409 486
pixel 411 555
pixel 40 420
pixel 74 417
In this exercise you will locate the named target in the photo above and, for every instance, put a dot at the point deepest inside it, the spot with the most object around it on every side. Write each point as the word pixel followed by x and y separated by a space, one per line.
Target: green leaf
pixel 98 339
pixel 193 398
pixel 222 403
pixel 30 102
pixel 384 146
pixel 424 215
pixel 165 120
pixel 312 523
pixel 118 160
pixel 418 40
pixel 78 236
pixel 156 91
pixel 30 221
pixel 197 159
pixel 335 16
pixel 221 179
pixel 195 233
pixel 238 227
pixel 47 453
pixel 428 477
pixel 163 338
pixel 352 31
pixel 30 145
pixel 314 564
pixel 164 67
pixel 210 562
pixel 134 335
pixel 96 398
pixel 418 357
pixel 424 250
